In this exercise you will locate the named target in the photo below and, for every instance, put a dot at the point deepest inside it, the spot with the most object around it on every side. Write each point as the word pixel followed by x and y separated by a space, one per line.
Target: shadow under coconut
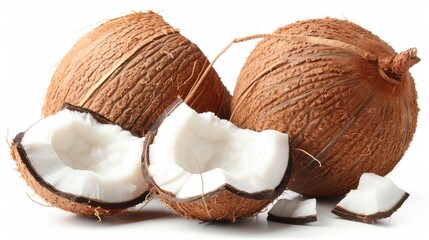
pixel 254 226
pixel 128 217
pixel 140 213
pixel 136 216
pixel 324 207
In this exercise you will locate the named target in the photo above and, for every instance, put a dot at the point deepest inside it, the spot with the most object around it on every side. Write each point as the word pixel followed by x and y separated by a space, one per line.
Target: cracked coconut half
pixel 208 169
pixel 80 162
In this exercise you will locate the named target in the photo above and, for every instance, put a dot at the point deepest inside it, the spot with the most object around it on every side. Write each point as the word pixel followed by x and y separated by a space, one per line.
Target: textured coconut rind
pixel 220 205
pixel 290 220
pixel 225 203
pixel 344 213
pixel 334 105
pixel 130 69
pixel 73 203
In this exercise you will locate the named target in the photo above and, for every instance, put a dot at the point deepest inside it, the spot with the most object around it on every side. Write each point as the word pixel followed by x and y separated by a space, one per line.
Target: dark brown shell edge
pixel 100 118
pixel 66 201
pixel 372 218
pixel 291 220
pixel 186 206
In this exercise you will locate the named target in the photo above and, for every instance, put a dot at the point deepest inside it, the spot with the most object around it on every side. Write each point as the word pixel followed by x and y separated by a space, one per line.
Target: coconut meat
pixel 286 208
pixel 193 154
pixel 77 155
pixel 374 194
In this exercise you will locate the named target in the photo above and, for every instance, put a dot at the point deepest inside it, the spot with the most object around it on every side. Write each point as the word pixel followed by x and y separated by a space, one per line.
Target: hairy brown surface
pixel 350 103
pixel 220 205
pixel 130 69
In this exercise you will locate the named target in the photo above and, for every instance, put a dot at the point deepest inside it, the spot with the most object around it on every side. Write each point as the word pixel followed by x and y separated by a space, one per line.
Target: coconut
pixel 130 69
pixel 375 198
pixel 206 168
pixel 79 161
pixel 344 96
pixel 293 211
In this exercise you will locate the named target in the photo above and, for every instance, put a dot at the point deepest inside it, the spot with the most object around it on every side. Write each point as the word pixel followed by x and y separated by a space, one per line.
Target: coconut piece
pixel 206 168
pixel 77 161
pixel 375 198
pixel 293 211
pixel 328 83
pixel 131 68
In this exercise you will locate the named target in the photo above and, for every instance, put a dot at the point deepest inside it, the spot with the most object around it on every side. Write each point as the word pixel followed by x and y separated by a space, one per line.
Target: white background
pixel 34 35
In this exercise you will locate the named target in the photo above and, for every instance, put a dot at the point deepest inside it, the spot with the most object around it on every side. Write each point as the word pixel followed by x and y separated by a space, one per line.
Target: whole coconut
pixel 343 95
pixel 130 69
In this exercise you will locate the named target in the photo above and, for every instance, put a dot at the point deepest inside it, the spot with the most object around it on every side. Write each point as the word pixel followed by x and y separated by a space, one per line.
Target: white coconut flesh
pixel 192 153
pixel 77 155
pixel 290 209
pixel 374 194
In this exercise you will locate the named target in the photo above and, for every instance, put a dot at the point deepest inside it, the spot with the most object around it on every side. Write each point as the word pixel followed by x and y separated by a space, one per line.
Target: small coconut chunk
pixel 191 150
pixel 375 198
pixel 293 211
pixel 81 157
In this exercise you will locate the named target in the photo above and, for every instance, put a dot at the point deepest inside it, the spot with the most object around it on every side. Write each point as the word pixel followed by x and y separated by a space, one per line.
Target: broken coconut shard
pixel 293 211
pixel 208 169
pixel 78 161
pixel 375 198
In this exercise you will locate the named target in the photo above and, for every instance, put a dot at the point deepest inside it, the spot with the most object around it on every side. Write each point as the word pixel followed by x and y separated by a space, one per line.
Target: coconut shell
pixel 372 218
pixel 344 96
pixel 291 220
pixel 130 69
pixel 226 203
pixel 73 203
